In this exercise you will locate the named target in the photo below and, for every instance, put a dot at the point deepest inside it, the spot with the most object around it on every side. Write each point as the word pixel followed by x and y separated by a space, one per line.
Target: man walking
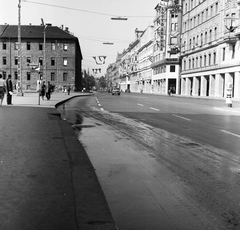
pixel 9 90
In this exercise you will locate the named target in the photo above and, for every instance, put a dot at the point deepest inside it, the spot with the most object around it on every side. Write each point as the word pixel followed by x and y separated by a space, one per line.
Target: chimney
pixel 67 29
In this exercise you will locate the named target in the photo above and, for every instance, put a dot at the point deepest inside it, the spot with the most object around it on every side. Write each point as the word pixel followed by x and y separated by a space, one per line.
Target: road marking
pixel 140 104
pixel 184 118
pixel 233 134
pixel 154 109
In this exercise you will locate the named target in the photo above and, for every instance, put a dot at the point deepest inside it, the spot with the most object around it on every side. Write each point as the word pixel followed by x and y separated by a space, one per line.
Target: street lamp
pixel 20 91
pixel 119 18
pixel 107 43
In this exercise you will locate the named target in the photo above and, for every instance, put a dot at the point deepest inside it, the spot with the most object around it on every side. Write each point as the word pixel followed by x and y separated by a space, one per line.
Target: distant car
pixel 116 91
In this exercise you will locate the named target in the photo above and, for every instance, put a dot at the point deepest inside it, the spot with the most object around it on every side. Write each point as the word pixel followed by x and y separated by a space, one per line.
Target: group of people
pixel 6 86
pixel 46 90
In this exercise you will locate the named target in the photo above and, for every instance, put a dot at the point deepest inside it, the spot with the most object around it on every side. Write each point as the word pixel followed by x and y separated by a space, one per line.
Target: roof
pixel 33 31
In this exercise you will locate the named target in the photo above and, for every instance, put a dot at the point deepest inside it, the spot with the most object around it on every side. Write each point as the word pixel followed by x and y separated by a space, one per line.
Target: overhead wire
pixel 86 11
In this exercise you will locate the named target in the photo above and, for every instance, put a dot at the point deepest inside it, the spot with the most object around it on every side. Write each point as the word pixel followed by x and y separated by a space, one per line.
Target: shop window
pixel 40 61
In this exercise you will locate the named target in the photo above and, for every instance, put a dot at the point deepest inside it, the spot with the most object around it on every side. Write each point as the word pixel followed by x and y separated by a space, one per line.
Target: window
pixel 209 59
pixel 201 39
pixel 206 14
pixel 216 8
pixel 201 61
pixel 210 35
pixel 224 51
pixel 215 33
pixel 28 76
pixel 189 67
pixel 15 75
pixel 28 46
pixel 211 14
pixel 205 37
pixel 65 47
pixel 214 58
pixel 16 46
pixel 205 60
pixel 40 61
pixel 196 62
pixel 193 60
pixel 4 45
pixel 4 61
pixel 40 46
pixel 203 16
pixel 184 64
pixel 233 51
pixel 52 61
pixel 52 76
pixel 65 61
pixel 53 46
pixel 28 60
pixel 172 68
pixel 64 76
pixel 16 60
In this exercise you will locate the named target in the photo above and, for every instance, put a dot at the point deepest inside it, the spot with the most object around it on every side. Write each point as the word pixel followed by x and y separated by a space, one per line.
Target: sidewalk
pixel 47 181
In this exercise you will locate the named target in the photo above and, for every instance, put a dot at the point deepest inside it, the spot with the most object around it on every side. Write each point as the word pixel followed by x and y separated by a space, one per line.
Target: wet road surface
pixel 154 179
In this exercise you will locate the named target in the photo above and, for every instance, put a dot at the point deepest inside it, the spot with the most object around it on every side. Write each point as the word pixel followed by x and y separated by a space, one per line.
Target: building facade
pixel 46 52
pixel 210 52
pixel 195 49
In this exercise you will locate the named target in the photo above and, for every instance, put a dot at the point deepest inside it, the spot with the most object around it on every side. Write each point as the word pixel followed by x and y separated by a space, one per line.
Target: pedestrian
pixel 43 89
pixel 49 90
pixel 69 89
pixel 2 89
pixel 9 89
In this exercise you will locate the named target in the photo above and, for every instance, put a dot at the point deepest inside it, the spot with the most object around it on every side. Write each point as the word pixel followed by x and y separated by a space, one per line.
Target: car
pixel 116 91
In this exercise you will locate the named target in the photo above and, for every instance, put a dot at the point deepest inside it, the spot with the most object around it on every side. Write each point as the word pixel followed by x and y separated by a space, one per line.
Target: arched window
pixel 205 37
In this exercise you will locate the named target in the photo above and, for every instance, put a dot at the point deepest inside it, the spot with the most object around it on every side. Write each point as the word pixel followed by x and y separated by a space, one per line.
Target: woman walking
pixel 2 89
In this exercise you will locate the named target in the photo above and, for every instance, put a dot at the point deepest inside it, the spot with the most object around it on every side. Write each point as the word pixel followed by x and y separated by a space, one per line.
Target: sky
pixel 89 20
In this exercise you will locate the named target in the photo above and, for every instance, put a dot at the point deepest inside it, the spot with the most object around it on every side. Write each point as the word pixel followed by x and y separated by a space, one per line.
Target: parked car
pixel 116 91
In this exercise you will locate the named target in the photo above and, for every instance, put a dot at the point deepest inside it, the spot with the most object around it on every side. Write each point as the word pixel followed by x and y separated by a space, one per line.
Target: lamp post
pixel 20 91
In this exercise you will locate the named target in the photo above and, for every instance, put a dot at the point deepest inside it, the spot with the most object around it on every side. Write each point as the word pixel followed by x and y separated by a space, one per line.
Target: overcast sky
pixel 89 20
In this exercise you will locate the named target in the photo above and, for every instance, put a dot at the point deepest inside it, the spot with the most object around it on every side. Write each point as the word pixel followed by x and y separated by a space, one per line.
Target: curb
pixel 68 99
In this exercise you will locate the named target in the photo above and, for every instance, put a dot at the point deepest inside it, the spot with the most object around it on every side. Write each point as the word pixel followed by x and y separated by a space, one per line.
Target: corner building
pixel 59 57
pixel 210 48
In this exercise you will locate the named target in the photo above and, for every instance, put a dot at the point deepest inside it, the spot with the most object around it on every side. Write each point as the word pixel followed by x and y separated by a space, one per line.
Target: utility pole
pixel 44 52
pixel 20 91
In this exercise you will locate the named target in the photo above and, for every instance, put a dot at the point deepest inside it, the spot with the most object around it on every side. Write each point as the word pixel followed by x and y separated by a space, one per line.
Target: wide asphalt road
pixel 163 162
pixel 203 120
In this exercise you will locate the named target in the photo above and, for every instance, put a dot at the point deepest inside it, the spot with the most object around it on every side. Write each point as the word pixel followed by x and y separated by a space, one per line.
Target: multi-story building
pixel 195 49
pixel 210 48
pixel 166 62
pixel 144 58
pixel 47 52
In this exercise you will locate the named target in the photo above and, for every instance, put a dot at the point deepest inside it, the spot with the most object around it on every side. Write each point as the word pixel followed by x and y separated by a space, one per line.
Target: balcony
pixel 230 38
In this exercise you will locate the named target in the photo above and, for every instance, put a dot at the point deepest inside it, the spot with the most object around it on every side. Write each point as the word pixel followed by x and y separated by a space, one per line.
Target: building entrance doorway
pixel 172 85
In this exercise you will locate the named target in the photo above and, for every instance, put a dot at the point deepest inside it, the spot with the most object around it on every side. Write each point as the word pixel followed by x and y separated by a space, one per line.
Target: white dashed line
pixel 140 104
pixel 233 134
pixel 154 109
pixel 184 118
